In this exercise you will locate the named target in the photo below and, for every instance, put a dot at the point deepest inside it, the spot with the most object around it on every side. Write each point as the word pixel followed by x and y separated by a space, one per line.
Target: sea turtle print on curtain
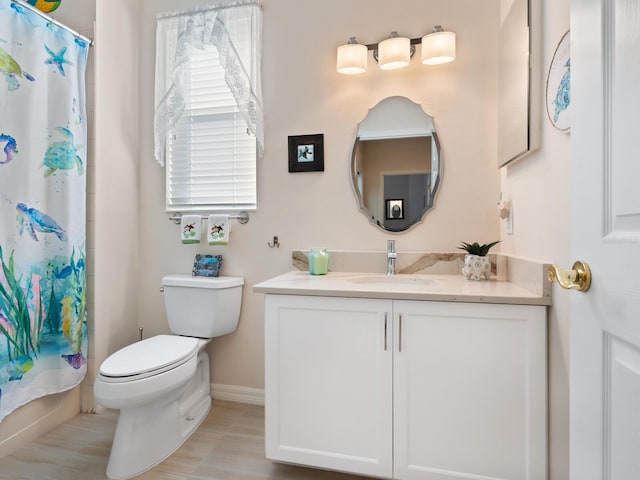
pixel 42 208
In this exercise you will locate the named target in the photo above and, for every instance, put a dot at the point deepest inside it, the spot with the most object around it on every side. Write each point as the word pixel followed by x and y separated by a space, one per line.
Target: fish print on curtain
pixel 43 152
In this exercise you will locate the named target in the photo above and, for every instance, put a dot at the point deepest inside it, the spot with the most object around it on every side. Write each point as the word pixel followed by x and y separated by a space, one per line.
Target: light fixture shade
pixel 352 58
pixel 438 47
pixel 394 52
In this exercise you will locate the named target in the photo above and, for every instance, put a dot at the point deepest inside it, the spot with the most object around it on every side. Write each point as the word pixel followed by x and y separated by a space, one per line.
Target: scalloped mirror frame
pixel 396 119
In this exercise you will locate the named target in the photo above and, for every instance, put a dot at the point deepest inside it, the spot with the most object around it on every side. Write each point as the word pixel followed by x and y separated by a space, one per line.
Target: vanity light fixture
pixel 395 52
pixel 438 47
pixel 352 57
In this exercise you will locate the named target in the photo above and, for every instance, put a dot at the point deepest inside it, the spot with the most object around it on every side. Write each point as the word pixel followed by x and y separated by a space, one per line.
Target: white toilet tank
pixel 204 307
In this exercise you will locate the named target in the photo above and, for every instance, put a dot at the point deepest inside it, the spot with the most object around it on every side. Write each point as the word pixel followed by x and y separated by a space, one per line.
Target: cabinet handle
pixel 385 331
pixel 400 333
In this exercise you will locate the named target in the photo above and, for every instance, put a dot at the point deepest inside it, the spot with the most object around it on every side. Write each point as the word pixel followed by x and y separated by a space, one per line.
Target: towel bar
pixel 242 217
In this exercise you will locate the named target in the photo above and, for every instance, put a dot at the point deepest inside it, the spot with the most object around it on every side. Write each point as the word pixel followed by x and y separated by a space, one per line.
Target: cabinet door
pixel 328 389
pixel 470 391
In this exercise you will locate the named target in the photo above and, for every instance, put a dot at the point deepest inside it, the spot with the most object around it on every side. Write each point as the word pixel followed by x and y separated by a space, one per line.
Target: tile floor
pixel 229 445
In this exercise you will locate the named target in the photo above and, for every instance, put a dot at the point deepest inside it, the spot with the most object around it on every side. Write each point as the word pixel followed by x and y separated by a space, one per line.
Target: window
pixel 211 157
pixel 208 125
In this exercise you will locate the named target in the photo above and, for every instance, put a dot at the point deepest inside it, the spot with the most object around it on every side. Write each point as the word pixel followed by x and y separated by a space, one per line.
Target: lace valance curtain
pixel 235 29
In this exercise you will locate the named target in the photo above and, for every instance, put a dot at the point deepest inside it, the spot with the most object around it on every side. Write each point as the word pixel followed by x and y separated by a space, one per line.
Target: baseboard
pixel 34 419
pixel 234 393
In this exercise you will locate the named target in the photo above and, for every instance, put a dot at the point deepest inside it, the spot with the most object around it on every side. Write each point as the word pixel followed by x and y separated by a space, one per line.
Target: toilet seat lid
pixel 149 355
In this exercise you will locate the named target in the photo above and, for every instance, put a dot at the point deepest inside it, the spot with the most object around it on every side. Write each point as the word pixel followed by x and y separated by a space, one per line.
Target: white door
pixel 605 229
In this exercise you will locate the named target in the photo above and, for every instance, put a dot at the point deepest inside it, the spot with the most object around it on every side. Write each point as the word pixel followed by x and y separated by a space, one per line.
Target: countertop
pixel 446 288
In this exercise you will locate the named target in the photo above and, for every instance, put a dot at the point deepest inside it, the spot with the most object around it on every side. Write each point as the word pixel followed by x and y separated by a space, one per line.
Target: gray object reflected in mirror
pixel 395 164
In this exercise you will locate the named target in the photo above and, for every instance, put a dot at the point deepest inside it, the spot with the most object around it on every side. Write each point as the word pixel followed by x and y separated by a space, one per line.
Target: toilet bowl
pixel 144 371
pixel 161 384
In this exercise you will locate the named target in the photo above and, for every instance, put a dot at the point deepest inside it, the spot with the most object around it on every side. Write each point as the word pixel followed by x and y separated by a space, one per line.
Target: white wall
pixel 537 188
pixel 115 203
pixel 303 94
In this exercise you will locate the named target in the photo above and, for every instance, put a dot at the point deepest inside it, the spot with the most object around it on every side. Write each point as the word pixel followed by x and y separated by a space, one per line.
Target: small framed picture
pixel 206 265
pixel 395 210
pixel 306 153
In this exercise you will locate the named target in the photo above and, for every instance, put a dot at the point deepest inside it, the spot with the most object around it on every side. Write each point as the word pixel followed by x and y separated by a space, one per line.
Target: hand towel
pixel 190 228
pixel 219 230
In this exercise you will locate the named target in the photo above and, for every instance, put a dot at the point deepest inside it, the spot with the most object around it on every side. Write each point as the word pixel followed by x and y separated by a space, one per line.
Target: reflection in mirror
pixel 395 168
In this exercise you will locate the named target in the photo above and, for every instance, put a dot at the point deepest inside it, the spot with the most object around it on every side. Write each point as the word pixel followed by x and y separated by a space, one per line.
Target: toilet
pixel 161 384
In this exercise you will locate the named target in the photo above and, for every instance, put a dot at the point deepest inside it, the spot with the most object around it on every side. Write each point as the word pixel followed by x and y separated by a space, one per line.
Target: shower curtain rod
pixel 52 20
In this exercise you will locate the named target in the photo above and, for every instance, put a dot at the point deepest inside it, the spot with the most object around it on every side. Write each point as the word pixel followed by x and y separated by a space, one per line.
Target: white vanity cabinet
pixel 406 389
pixel 328 395
pixel 469 386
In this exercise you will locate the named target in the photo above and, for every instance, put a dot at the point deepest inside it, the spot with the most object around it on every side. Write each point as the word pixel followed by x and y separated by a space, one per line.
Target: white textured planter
pixel 476 267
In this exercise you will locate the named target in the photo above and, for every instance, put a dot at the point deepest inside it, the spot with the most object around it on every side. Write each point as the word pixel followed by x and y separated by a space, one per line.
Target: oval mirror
pixel 395 164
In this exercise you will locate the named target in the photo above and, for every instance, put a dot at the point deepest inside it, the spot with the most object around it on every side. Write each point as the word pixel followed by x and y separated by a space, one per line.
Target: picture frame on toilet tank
pixel 206 265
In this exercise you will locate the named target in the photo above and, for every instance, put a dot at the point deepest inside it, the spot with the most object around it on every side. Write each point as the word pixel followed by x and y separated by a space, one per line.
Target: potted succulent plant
pixel 476 264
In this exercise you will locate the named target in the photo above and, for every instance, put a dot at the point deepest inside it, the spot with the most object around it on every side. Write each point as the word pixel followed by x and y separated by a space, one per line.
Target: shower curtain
pixel 43 152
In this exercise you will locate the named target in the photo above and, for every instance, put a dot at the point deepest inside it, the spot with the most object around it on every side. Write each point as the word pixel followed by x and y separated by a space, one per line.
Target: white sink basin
pixel 399 280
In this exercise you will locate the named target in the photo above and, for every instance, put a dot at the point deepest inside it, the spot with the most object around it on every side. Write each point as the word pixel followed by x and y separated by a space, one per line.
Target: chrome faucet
pixel 391 257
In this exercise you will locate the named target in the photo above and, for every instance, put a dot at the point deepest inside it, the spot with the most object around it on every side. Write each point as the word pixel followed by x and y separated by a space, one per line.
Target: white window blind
pixel 211 157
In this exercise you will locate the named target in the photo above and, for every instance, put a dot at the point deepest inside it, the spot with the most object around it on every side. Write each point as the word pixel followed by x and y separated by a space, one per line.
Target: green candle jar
pixel 318 261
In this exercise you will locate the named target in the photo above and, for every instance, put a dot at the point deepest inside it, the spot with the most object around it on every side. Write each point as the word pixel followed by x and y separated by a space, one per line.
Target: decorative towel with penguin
pixel 218 230
pixel 190 228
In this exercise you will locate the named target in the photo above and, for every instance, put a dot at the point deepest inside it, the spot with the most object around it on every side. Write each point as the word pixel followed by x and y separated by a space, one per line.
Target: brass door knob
pixel 578 278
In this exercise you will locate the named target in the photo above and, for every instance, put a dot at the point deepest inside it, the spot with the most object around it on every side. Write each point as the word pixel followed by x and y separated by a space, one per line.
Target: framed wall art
pixel 558 86
pixel 306 153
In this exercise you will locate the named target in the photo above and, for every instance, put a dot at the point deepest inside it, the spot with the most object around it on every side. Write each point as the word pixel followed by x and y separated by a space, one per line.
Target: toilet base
pixel 147 435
